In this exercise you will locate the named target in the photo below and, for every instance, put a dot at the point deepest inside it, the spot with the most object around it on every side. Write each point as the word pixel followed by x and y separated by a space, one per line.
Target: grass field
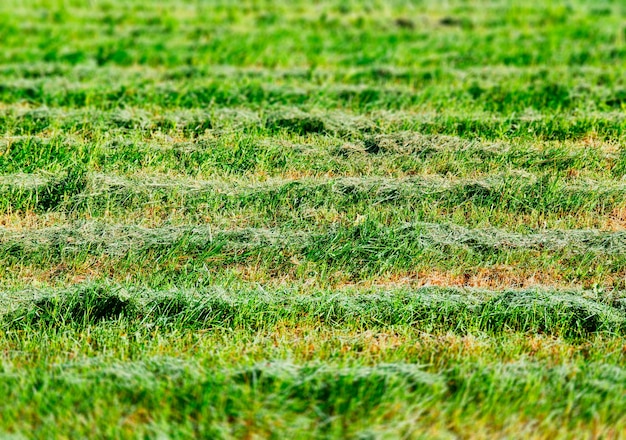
pixel 312 219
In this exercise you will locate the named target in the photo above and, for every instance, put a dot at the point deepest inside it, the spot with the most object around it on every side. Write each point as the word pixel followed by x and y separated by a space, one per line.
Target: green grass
pixel 339 219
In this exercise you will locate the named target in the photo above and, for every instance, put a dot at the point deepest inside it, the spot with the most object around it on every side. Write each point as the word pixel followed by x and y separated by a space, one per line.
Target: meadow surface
pixel 298 219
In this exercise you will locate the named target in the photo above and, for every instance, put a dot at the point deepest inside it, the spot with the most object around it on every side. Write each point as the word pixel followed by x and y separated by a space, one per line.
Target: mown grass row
pixel 459 35
pixel 544 92
pixel 90 123
pixel 394 199
pixel 398 155
pixel 516 200
pixel 597 79
pixel 168 397
pixel 432 310
pixel 200 254
pixel 367 237
pixel 582 80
